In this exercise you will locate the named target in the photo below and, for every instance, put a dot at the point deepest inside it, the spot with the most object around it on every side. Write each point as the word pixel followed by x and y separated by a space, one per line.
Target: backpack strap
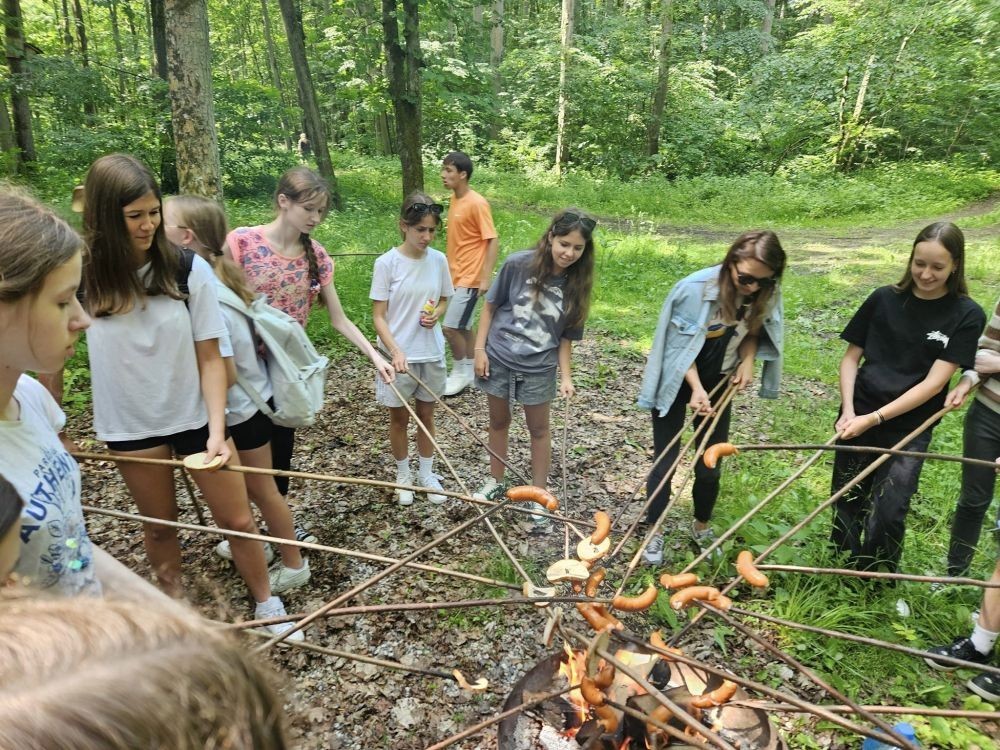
pixel 186 259
pixel 228 298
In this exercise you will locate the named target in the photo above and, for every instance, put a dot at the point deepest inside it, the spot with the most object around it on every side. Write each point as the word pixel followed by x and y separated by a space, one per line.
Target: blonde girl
pixel 158 379
pixel 200 224
pixel 292 270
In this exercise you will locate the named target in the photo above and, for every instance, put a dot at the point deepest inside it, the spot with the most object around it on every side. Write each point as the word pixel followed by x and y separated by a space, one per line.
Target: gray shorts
pixel 433 375
pixel 527 388
pixel 461 309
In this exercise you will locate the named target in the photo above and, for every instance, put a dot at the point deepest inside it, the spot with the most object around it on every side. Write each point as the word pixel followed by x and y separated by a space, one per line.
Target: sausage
pixel 607 718
pixel 746 568
pixel 603 612
pixel 594 582
pixel 661 714
pixel 715 452
pixel 591 693
pixel 656 641
pixel 717 697
pixel 723 603
pixel 605 676
pixel 679 581
pixel 603 523
pixel 530 493
pixel 681 598
pixel 594 618
pixel 645 600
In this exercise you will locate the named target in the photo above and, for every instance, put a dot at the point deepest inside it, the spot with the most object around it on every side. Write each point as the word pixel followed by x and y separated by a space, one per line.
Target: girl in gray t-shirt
pixel 534 311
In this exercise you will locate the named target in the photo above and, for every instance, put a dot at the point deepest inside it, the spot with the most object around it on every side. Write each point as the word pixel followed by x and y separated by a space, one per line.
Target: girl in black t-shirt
pixel 911 336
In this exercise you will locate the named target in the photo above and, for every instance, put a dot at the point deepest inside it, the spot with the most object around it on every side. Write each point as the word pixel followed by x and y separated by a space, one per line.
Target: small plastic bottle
pixel 903 728
pixel 427 309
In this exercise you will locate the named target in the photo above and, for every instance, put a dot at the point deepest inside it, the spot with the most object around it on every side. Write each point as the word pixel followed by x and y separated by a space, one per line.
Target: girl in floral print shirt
pixel 291 269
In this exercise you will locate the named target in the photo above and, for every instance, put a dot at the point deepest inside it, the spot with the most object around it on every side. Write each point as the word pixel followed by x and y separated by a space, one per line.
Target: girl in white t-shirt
pixel 200 224
pixel 11 506
pixel 158 380
pixel 411 285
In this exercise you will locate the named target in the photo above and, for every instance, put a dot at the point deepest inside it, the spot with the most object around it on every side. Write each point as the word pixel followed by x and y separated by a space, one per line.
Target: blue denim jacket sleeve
pixel 770 347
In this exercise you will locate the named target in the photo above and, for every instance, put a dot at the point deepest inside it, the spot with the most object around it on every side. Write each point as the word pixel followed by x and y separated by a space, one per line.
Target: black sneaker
pixel 304 535
pixel 986 686
pixel 961 648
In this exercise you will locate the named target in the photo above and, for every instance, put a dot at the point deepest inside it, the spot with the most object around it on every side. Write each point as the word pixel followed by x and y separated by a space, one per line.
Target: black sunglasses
pixel 422 209
pixel 765 283
pixel 585 221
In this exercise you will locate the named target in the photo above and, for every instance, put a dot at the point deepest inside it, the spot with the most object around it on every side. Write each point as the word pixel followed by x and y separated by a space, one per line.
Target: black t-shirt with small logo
pixel 902 336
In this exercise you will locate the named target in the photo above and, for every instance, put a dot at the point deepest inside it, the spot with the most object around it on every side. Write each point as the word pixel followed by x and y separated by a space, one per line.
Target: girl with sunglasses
pixel 410 288
pixel 534 311
pixel 912 336
pixel 713 324
pixel 292 270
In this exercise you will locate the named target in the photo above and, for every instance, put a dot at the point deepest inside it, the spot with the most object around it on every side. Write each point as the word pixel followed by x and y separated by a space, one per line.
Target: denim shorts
pixel 527 388
pixel 433 375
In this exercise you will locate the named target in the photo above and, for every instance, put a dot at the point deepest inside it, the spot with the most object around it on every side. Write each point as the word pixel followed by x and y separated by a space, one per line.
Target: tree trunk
pixel 8 144
pixel 272 64
pixel 766 25
pixel 496 58
pixel 67 35
pixel 307 97
pixel 662 78
pixel 81 35
pixel 133 36
pixel 189 72
pixel 117 38
pixel 403 69
pixel 14 38
pixel 566 40
pixel 169 182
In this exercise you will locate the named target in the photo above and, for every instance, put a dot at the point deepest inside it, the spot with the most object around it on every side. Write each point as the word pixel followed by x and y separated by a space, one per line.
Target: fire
pixel 573 669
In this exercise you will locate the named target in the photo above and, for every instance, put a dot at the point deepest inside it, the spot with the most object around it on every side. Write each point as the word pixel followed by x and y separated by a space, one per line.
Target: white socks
pixel 426 464
pixel 983 639
pixel 403 470
pixel 462 367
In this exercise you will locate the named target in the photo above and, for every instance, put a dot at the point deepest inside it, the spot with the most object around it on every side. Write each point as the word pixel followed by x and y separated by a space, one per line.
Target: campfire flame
pixel 573 669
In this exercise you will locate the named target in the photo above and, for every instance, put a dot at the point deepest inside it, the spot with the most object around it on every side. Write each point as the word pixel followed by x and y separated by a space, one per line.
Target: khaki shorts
pixel 432 374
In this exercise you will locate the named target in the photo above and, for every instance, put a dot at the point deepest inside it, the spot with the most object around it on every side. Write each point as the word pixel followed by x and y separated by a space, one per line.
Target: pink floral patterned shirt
pixel 284 281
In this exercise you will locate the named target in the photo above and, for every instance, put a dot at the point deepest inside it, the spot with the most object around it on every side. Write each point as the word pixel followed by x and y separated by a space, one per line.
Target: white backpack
pixel 297 371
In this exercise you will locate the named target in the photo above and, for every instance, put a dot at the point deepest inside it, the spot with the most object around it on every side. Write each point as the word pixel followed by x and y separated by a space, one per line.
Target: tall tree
pixel 275 71
pixel 168 155
pixel 496 58
pixel 766 26
pixel 81 35
pixel 565 42
pixel 655 121
pixel 14 39
pixel 189 72
pixel 292 18
pixel 403 68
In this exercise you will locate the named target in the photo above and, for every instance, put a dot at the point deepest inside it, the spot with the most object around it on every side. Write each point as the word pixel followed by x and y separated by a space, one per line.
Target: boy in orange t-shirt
pixel 472 254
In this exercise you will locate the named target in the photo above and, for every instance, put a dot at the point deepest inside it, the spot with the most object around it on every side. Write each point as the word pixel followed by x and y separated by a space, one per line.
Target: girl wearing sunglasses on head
pixel 410 289
pixel 534 311
pixel 713 324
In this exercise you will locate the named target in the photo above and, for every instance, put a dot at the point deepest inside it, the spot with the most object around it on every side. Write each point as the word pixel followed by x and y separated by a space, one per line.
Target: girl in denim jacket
pixel 713 324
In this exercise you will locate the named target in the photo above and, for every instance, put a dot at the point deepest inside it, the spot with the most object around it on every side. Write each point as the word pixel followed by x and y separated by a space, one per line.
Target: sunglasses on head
pixel 585 221
pixel 746 279
pixel 420 210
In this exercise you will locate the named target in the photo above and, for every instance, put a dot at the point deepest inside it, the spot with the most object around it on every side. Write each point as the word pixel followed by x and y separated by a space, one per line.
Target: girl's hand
pixel 700 403
pixel 217 445
pixel 744 374
pixel 956 397
pixel 384 369
pixel 987 362
pixel 399 361
pixel 427 320
pixel 857 425
pixel 566 389
pixel 844 420
pixel 482 364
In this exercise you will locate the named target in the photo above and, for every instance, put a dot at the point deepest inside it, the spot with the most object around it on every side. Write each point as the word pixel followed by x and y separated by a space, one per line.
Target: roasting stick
pixel 759 687
pixel 294 543
pixel 667 476
pixel 866 641
pixel 677 734
pixel 757 508
pixel 794 663
pixel 565 495
pixel 879 574
pixel 477 728
pixel 867 449
pixel 727 397
pixel 86 456
pixel 954 713
pixel 870 469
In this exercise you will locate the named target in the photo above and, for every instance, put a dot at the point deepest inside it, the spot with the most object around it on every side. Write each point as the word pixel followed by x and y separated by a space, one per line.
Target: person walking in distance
pixel 472 247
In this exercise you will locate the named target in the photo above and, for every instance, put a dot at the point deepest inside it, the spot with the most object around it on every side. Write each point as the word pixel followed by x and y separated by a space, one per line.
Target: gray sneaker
pixel 490 490
pixel 282 578
pixel 653 554
pixel 223 550
pixel 704 538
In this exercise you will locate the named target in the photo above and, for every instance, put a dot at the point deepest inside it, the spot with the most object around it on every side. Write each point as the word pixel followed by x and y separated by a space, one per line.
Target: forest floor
pixel 339 703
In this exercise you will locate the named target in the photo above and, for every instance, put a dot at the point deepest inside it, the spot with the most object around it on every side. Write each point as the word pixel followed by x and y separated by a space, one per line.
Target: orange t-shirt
pixel 470 228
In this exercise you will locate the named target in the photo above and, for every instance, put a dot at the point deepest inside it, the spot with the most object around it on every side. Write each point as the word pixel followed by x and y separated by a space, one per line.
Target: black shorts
pixel 182 443
pixel 253 433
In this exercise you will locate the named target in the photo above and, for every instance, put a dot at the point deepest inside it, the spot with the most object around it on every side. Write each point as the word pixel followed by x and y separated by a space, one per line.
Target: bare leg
pixel 425 413
pixel 537 417
pixel 457 343
pixel 264 493
pixel 399 419
pixel 989 618
pixel 152 488
pixel 499 431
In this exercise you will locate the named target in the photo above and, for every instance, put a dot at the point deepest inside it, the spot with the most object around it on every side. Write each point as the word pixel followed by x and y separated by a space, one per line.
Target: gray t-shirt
pixel 528 324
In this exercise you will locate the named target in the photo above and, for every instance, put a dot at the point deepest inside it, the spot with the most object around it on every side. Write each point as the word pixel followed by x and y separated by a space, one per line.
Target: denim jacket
pixel 680 334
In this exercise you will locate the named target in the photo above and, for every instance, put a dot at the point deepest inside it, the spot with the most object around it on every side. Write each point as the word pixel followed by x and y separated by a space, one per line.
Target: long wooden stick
pixel 867 449
pixel 953 713
pixel 960 581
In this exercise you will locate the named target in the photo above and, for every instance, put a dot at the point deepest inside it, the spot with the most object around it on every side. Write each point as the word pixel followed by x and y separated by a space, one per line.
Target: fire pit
pixel 568 722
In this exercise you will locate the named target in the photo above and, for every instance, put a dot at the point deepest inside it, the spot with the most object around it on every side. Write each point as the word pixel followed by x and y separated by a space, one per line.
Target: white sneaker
pixel 282 578
pixel 456 383
pixel 274 607
pixel 490 490
pixel 653 554
pixel 223 550
pixel 432 482
pixel 404 497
